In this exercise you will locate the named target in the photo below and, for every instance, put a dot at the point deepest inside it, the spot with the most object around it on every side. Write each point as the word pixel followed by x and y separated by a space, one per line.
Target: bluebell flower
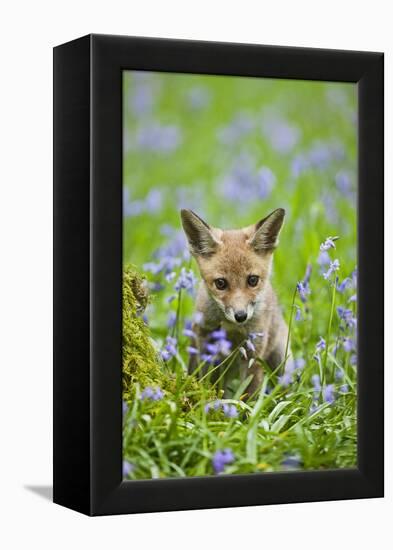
pixel 344 388
pixel 264 182
pixel 298 314
pixel 218 334
pixel 299 165
pixel 339 375
pixel 158 138
pixel 229 410
pixel 352 298
pixel 334 266
pixel 141 101
pixel 128 468
pixel 250 345
pixel 245 180
pixel 303 290
pixel 321 344
pixel 348 344
pixel 255 335
pixel 189 333
pixel 125 408
pixel 344 184
pixel 299 363
pixel 329 243
pixel 344 285
pixel 186 280
pixel 353 359
pixel 169 350
pixel 347 316
pixel 241 125
pixel 328 393
pixel 221 459
pixel 291 462
pixel 152 394
pixel 282 136
pixel 316 382
pixel 192 350
pixel 171 321
pixel 198 317
pixel 285 379
pixel 323 258
pixel 198 98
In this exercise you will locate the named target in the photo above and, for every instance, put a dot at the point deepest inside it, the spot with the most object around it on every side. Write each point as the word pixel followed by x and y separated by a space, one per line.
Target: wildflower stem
pixel 328 333
pixel 290 327
pixel 175 330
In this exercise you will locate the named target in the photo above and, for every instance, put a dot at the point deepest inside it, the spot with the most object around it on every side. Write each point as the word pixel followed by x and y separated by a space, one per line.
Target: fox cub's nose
pixel 241 316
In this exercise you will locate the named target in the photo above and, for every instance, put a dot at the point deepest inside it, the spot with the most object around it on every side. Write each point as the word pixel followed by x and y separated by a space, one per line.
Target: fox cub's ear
pixel 267 231
pixel 199 234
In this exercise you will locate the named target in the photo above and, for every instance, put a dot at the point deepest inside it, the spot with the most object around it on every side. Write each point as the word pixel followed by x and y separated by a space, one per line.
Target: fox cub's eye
pixel 253 280
pixel 221 284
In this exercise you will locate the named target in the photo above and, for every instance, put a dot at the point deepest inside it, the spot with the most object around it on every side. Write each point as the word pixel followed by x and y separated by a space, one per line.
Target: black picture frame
pixel 88 274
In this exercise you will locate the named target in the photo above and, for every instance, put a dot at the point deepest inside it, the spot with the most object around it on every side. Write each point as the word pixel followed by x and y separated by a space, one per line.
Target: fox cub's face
pixel 234 264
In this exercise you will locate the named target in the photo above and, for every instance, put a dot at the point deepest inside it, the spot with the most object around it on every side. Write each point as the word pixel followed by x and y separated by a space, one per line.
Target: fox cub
pixel 235 293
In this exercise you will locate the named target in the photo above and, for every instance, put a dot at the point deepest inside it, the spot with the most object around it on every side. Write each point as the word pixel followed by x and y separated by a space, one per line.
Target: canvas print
pixel 239 275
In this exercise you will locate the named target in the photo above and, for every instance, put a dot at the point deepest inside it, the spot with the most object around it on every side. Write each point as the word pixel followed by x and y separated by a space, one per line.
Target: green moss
pixel 141 361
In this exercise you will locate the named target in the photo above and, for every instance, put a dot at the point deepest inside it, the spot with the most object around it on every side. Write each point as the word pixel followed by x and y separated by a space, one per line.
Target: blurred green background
pixel 233 149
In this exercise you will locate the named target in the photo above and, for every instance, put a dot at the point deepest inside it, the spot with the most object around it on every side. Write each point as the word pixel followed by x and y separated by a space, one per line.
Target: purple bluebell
pixel 264 182
pixel 339 375
pixel 347 316
pixel 344 285
pixel 328 243
pixel 344 184
pixel 333 268
pixel 282 136
pixel 221 459
pixel 152 394
pixel 300 363
pixel 170 348
pixel 125 408
pixel 246 180
pixel 229 410
pixel 250 346
pixel 285 379
pixel 198 98
pixel 172 318
pixel 348 344
pixel 158 138
pixel 192 350
pixel 303 290
pixel 198 317
pixel 321 344
pixel 328 393
pixel 189 333
pixel 255 335
pixel 316 382
pixel 299 165
pixel 218 334
pixel 128 468
pixel 240 126
pixel 352 298
pixel 298 314
pixel 344 388
pixel 323 258
pixel 186 280
pixel 291 462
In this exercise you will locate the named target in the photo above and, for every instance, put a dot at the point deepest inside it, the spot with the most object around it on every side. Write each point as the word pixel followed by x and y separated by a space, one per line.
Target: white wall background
pixel 28 31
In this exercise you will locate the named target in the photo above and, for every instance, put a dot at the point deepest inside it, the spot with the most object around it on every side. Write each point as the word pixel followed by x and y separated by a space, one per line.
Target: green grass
pixel 284 426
